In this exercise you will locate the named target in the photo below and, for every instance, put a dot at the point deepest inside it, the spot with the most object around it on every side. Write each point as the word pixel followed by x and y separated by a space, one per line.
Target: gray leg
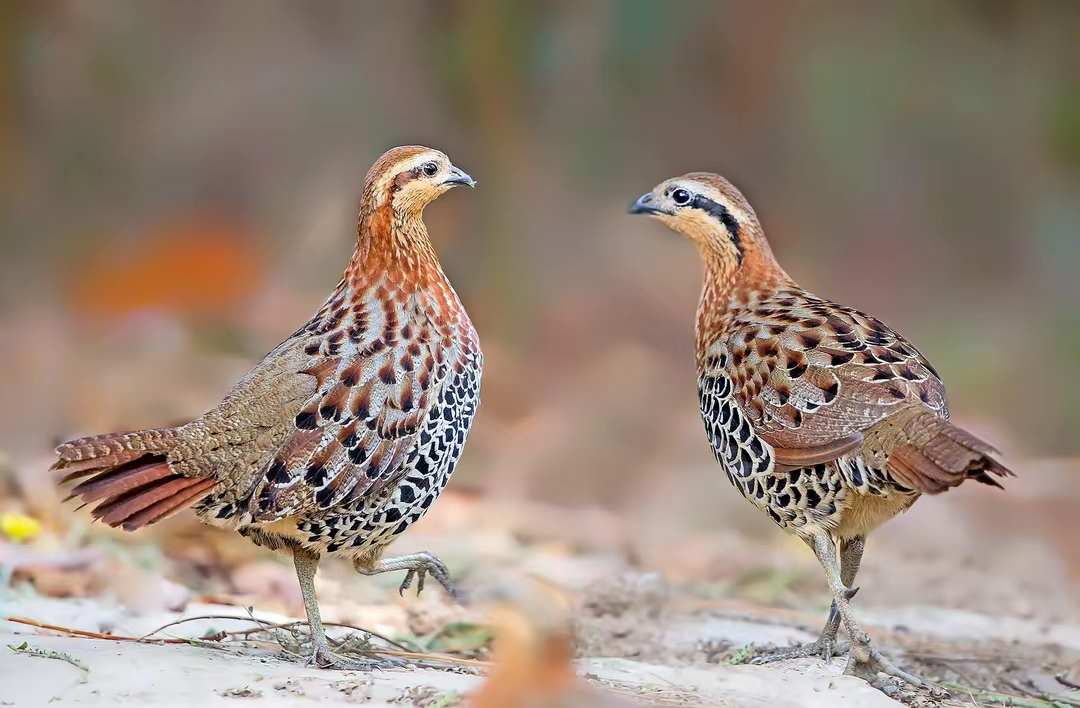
pixel 825 645
pixel 864 661
pixel 418 565
pixel 307 562
pixel 851 551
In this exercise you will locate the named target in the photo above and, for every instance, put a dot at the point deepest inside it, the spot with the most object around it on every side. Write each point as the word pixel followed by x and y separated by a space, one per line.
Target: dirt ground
pixel 977 591
pixel 638 636
pixel 646 634
pixel 189 675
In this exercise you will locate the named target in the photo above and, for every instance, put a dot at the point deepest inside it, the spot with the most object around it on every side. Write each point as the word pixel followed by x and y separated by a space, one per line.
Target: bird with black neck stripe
pixel 823 417
pixel 344 434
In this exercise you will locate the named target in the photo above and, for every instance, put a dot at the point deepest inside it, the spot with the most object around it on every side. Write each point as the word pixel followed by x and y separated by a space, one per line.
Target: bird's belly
pixel 862 513
pixel 845 497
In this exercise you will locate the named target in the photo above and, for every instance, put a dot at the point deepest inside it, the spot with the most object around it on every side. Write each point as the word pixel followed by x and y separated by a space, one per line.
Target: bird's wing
pixel 812 376
pixel 381 368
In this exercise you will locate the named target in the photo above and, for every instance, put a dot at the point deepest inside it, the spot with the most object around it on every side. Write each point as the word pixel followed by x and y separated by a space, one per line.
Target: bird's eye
pixel 430 168
pixel 680 197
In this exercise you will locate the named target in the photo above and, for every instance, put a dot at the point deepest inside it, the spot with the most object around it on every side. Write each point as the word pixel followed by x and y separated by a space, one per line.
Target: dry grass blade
pixel 28 650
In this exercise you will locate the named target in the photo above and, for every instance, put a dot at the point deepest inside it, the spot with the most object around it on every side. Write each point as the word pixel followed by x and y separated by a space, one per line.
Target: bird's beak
pixel 458 177
pixel 645 205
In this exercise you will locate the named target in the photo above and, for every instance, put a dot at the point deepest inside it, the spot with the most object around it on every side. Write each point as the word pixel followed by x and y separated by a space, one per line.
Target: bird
pixel 343 435
pixel 534 649
pixel 825 418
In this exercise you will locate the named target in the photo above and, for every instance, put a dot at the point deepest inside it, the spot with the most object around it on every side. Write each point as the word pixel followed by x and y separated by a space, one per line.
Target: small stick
pixel 192 619
pixel 116 638
pixel 68 630
pixel 286 625
pixel 391 642
pixel 1066 682
pixel 83 633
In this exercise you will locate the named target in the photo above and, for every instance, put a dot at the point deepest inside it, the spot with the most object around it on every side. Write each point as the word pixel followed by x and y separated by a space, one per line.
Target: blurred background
pixel 178 186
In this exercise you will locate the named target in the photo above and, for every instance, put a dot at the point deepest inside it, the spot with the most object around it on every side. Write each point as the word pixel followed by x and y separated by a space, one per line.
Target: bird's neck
pixel 393 247
pixel 732 286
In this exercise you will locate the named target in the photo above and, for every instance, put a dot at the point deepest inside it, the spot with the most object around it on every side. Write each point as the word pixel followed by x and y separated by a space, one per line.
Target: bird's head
pixel 708 210
pixel 408 178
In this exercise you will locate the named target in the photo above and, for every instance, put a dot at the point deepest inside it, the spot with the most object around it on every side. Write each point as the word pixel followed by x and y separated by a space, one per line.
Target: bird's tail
pixel 130 474
pixel 938 456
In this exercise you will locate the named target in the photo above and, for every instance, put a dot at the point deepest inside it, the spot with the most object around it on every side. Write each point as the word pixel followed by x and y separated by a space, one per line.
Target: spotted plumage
pixel 343 435
pixel 822 416
pixel 793 368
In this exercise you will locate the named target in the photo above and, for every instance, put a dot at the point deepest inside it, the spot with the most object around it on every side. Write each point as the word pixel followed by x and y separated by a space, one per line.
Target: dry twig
pixel 244 633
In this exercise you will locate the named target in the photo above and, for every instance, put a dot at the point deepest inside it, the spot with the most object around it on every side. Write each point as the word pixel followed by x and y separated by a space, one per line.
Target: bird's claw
pixel 323 658
pixel 407 582
pixel 438 571
pixel 824 647
pixel 870 665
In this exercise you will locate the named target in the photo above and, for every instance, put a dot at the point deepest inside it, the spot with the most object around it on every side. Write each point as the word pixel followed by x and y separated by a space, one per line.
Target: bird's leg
pixel 825 645
pixel 851 550
pixel 307 562
pixel 864 661
pixel 418 566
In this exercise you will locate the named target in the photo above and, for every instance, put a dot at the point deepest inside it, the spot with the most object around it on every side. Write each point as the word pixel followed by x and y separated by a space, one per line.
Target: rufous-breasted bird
pixel 825 418
pixel 344 434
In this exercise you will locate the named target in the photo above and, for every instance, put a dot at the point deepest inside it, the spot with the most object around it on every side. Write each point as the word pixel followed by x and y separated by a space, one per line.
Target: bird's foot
pixel 322 657
pixel 822 646
pixel 427 563
pixel 870 665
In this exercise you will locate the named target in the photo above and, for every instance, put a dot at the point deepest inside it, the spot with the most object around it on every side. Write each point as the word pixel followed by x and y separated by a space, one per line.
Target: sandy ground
pixel 177 674
pixel 638 639
pixel 970 589
pixel 184 675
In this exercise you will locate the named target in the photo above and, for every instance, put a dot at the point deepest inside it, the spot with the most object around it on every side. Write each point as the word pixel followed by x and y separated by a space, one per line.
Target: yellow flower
pixel 18 527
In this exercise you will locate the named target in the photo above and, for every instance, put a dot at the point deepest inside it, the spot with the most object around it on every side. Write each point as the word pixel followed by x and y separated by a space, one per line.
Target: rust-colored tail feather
pixel 123 478
pixel 152 502
pixel 940 456
pixel 131 474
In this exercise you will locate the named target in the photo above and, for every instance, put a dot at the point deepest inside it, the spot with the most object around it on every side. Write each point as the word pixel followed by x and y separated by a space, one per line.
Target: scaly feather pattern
pixel 344 434
pixel 811 408
pixel 822 416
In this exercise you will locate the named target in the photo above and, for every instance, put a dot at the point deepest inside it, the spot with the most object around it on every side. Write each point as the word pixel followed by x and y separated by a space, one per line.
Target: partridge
pixel 825 418
pixel 343 435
